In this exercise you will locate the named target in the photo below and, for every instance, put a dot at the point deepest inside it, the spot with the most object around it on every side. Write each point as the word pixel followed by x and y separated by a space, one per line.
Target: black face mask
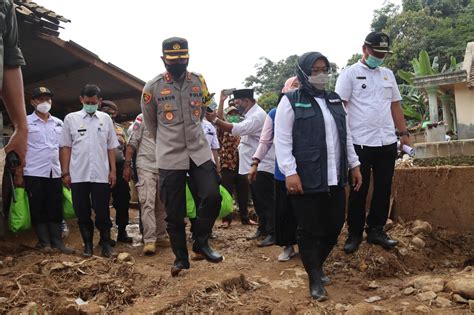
pixel 177 69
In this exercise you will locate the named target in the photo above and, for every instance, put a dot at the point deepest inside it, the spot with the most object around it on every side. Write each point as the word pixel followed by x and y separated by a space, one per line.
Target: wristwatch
pixel 404 133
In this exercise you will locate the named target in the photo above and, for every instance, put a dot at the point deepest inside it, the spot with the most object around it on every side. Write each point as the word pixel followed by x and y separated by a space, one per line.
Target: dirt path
pixel 250 280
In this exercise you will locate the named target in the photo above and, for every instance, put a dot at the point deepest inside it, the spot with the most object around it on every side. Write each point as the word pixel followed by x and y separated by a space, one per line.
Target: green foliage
pixel 271 76
pixel 268 100
pixel 441 27
pixel 414 105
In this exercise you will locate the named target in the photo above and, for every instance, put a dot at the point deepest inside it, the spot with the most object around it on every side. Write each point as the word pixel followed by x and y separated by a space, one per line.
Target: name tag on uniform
pixel 361 78
pixel 82 131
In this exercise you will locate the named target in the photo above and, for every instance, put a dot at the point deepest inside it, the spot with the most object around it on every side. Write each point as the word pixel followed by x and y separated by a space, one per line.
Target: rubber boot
pixel 87 234
pixel 105 243
pixel 44 241
pixel 311 259
pixel 202 230
pixel 55 234
pixel 178 245
pixel 326 248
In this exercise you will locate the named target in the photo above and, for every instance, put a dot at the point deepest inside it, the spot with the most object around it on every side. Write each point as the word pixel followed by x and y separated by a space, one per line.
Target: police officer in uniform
pixel 121 191
pixel 173 105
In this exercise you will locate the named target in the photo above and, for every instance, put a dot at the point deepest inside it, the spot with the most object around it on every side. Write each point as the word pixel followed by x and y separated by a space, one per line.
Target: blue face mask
pixel 374 62
pixel 90 109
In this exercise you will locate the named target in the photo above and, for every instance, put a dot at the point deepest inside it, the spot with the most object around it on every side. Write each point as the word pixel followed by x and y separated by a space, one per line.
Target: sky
pixel 226 38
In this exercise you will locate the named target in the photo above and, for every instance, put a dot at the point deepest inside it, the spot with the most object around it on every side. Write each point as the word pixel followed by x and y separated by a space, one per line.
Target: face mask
pixel 176 69
pixel 374 62
pixel 90 109
pixel 319 80
pixel 43 107
pixel 233 119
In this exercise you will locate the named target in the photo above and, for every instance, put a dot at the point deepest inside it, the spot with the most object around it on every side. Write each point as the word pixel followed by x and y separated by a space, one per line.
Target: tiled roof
pixel 40 18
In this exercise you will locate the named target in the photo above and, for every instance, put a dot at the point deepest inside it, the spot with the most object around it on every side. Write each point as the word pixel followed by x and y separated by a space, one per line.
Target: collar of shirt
pixel 363 65
pixel 35 117
pixel 251 110
pixel 84 113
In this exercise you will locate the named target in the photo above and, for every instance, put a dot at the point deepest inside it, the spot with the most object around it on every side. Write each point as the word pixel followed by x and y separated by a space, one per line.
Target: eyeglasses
pixel 319 70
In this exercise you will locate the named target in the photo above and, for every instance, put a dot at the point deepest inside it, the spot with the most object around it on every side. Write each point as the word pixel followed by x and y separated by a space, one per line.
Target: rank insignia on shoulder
pixel 168 78
pixel 189 76
pixel 169 116
pixel 165 92
pixel 146 97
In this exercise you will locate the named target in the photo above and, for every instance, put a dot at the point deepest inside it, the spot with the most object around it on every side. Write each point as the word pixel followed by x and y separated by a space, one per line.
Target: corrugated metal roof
pixel 39 18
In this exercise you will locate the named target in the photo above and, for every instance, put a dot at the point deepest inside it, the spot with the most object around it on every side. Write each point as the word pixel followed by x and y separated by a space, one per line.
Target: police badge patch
pixel 146 97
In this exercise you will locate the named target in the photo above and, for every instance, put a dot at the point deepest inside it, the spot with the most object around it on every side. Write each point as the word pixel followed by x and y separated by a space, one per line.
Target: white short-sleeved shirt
pixel 369 94
pixel 42 154
pixel 211 134
pixel 249 131
pixel 89 136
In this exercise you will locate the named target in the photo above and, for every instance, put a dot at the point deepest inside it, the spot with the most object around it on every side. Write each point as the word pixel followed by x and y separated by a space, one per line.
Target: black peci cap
pixel 175 48
pixel 243 93
pixel 378 41
pixel 37 92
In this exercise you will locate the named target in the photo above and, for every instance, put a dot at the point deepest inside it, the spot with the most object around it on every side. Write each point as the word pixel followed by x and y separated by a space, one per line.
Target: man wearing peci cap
pixel 42 172
pixel 262 190
pixel 173 105
pixel 372 98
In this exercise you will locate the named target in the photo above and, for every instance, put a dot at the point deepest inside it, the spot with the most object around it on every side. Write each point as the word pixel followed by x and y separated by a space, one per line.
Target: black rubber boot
pixel 42 232
pixel 311 259
pixel 55 234
pixel 376 235
pixel 105 243
pixel 326 248
pixel 122 236
pixel 87 234
pixel 202 230
pixel 352 243
pixel 178 245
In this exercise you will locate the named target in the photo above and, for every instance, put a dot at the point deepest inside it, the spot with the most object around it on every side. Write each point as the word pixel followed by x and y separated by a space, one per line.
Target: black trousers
pixel 45 197
pixel 319 217
pixel 263 196
pixel 380 161
pixel 238 186
pixel 285 220
pixel 173 194
pixel 121 198
pixel 86 196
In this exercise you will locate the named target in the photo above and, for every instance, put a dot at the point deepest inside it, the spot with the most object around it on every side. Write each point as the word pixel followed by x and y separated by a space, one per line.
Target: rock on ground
pixel 426 296
pixel 463 286
pixel 361 309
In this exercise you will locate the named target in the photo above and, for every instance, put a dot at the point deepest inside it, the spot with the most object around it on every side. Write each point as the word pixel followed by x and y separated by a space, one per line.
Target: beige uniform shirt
pixel 172 113
pixel 144 144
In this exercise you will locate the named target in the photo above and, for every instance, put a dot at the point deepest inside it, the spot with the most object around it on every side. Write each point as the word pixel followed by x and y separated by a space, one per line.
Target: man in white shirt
pixel 263 192
pixel 372 98
pixel 42 172
pixel 88 143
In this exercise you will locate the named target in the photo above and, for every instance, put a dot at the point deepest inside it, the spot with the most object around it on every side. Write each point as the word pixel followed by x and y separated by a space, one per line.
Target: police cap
pixel 37 92
pixel 378 41
pixel 175 48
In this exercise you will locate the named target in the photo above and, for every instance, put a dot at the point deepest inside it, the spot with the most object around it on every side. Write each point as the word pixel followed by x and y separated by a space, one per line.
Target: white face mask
pixel 43 107
pixel 319 80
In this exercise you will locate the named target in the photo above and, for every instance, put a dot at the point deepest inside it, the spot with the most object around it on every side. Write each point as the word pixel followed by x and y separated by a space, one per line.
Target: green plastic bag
pixel 227 204
pixel 19 218
pixel 68 209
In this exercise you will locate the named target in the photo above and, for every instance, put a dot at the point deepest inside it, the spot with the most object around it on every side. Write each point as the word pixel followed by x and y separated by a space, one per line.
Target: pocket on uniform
pixel 387 91
pixel 309 170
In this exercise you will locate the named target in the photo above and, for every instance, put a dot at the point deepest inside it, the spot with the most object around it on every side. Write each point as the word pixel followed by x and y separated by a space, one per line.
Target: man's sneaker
pixel 287 253
pixel 149 249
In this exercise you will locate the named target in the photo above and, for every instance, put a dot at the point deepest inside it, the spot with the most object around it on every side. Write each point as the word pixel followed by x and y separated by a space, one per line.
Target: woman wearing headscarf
pixel 285 223
pixel 314 151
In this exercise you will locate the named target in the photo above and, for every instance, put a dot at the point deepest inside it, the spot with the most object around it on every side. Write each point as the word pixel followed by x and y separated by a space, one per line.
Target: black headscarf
pixel 305 63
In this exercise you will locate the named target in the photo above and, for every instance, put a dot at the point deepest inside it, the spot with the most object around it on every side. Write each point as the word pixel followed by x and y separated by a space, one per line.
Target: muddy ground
pixel 250 280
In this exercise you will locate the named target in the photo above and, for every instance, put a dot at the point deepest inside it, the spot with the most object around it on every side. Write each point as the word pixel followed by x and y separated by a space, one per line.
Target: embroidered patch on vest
pixel 146 97
pixel 303 105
